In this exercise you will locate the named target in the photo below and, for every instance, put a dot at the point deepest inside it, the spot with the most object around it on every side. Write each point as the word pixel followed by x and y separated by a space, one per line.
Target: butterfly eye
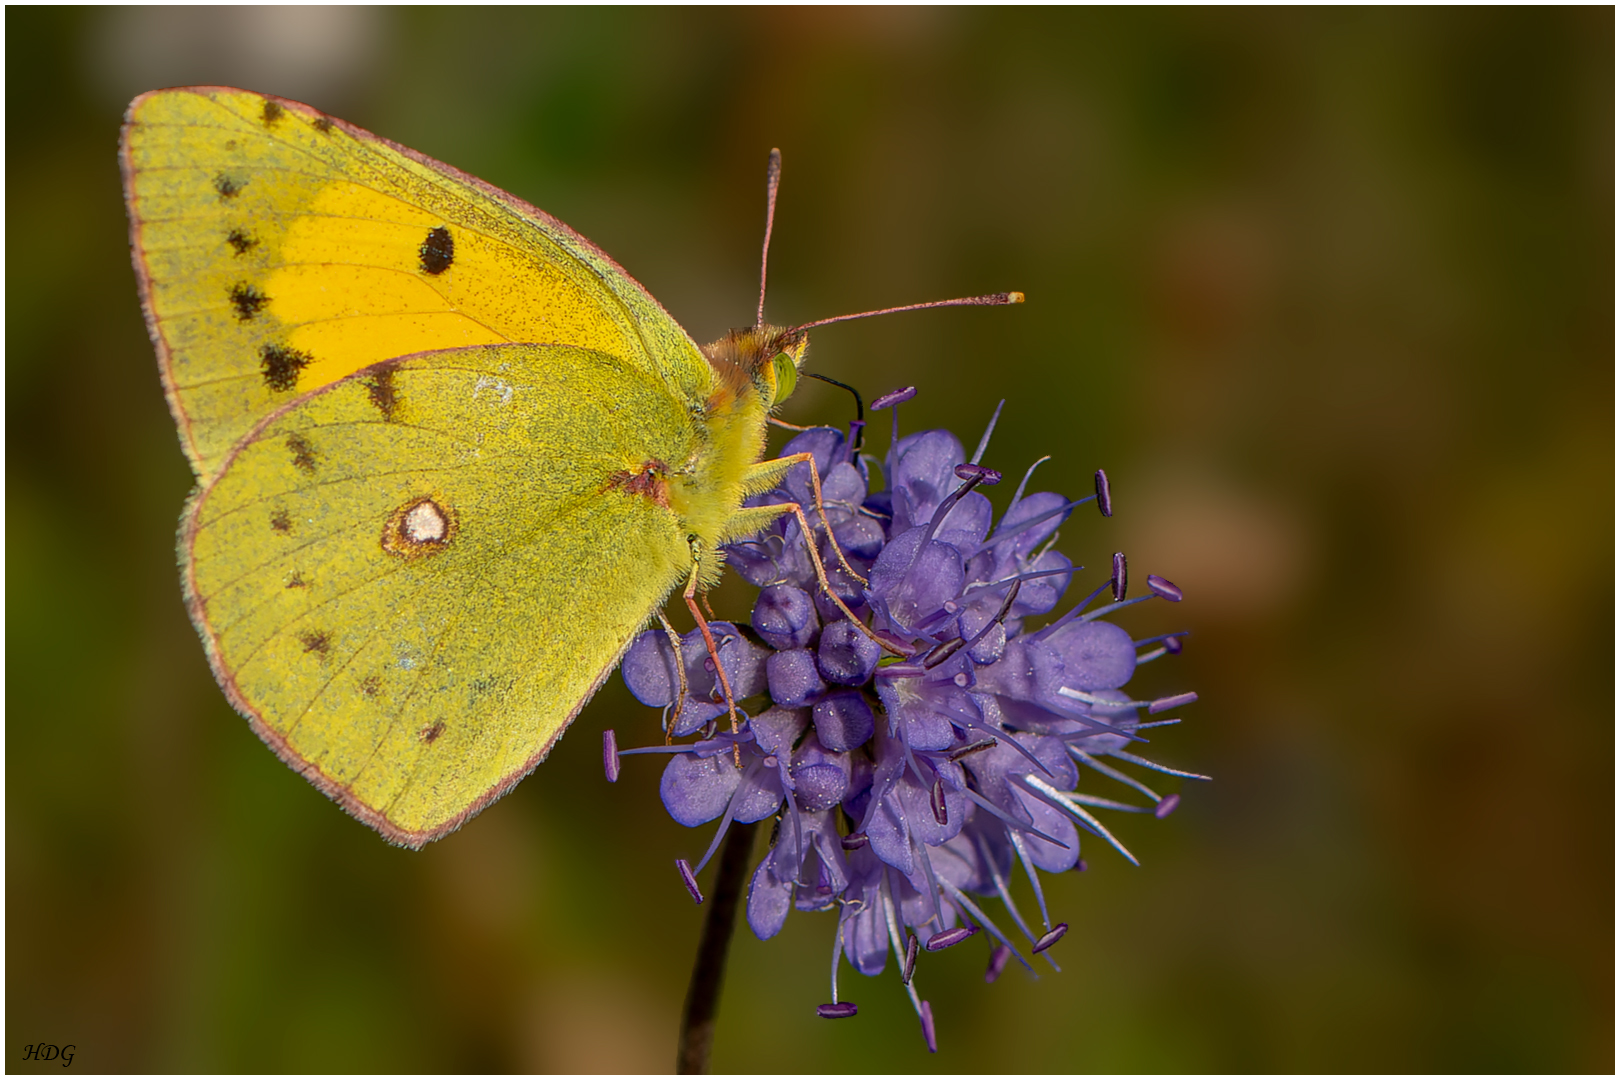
pixel 787 377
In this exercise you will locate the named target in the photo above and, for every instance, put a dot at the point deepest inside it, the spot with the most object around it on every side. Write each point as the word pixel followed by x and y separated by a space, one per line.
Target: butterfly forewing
pixel 280 250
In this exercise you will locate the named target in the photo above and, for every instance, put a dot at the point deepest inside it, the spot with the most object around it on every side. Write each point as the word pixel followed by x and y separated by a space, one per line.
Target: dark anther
pixel 971 748
pixel 1050 938
pixel 1164 587
pixel 895 397
pixel 978 474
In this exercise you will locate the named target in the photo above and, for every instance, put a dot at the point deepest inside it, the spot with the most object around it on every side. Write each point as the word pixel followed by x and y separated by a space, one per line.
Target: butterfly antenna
pixel 993 300
pixel 773 180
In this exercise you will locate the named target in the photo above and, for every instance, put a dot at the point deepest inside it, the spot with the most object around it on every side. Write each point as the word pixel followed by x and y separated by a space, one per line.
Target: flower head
pixel 917 760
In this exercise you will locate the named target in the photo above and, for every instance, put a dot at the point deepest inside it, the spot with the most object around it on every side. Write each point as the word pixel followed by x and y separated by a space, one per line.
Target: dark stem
pixel 709 970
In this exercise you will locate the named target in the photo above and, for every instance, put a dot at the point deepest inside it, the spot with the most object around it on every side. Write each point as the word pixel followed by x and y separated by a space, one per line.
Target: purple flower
pixel 915 761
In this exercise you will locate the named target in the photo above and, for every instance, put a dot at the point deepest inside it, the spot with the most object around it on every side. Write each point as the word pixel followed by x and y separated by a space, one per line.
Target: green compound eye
pixel 787 377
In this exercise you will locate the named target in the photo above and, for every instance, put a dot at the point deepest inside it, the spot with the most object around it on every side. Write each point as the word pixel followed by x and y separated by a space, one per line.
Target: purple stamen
pixel 1050 938
pixel 838 1010
pixel 926 1014
pixel 1081 866
pixel 909 968
pixel 1154 765
pixel 1024 526
pixel 971 478
pixel 1167 806
pixel 984 440
pixel 854 841
pixel 1161 704
pixel 1105 502
pixel 1164 587
pixel 689 880
pixel 1172 645
pixel 996 811
pixel 610 756
pixel 998 960
pixel 1118 580
pixel 946 938
pixel 937 801
pixel 979 474
pixel 1068 616
pixel 895 397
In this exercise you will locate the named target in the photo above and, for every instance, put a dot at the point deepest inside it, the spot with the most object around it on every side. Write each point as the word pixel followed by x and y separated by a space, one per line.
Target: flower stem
pixel 709 969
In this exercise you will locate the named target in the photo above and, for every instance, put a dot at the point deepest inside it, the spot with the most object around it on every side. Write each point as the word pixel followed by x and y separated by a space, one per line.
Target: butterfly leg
pixel 690 596
pixel 751 519
pixel 764 476
pixel 680 674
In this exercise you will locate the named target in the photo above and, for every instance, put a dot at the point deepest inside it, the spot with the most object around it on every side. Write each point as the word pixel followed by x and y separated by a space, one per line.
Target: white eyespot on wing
pixel 425 524
pixel 501 390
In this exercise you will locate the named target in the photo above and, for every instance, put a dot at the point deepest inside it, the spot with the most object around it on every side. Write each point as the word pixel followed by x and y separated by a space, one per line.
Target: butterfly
pixel 450 457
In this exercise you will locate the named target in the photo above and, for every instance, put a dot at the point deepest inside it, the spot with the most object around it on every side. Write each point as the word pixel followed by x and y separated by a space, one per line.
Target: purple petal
pixel 1096 655
pixel 769 902
pixel 648 669
pixel 843 720
pixel 793 678
pixel 776 730
pixel 846 655
pixel 697 789
pixel 785 616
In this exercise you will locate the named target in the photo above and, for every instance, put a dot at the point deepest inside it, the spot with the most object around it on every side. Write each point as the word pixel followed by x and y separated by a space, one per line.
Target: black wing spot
pixel 324 125
pixel 241 241
pixel 297 581
pixel 272 113
pixel 438 251
pixel 303 453
pixel 383 393
pixel 281 366
pixel 315 641
pixel 281 522
pixel 431 734
pixel 371 686
pixel 247 301
pixel 228 186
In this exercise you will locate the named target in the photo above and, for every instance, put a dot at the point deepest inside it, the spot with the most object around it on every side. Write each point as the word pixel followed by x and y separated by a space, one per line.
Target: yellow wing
pixel 412 579
pixel 279 250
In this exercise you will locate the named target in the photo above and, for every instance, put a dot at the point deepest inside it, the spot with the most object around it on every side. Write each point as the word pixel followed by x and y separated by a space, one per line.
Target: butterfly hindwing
pixel 411 579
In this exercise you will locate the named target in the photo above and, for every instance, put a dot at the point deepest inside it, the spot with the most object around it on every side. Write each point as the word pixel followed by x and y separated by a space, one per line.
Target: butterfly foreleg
pixel 689 594
pixel 751 519
pixel 680 675
pixel 765 475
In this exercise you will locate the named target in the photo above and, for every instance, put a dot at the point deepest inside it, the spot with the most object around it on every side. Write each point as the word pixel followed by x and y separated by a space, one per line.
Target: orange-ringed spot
pixel 420 527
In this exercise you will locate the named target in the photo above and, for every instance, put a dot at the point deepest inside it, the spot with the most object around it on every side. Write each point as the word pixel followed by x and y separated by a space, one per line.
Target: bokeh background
pixel 1329 293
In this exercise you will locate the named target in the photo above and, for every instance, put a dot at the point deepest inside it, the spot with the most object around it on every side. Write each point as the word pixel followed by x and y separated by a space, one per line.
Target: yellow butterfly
pixel 451 458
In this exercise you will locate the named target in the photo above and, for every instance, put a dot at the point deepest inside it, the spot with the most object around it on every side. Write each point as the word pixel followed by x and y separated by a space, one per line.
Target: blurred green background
pixel 1329 293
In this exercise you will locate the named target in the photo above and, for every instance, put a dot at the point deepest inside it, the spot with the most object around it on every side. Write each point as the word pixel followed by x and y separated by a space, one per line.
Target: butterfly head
pixel 761 359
